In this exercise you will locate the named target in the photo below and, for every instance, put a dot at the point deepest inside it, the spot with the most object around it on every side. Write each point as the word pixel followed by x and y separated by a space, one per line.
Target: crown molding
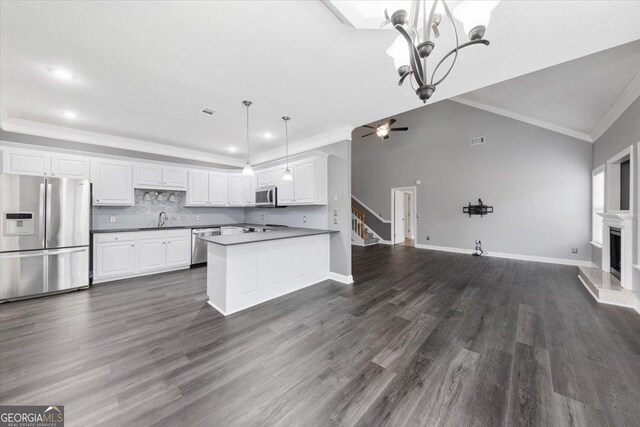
pixel 94 138
pixel 327 138
pixel 522 118
pixel 626 98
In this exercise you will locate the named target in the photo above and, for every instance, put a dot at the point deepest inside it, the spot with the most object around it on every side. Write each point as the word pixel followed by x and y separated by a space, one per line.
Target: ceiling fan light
pixel 248 170
pixel 287 175
pixel 382 131
pixel 475 16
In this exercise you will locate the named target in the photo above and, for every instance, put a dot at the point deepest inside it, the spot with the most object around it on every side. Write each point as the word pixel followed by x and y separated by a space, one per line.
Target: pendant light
pixel 248 170
pixel 287 173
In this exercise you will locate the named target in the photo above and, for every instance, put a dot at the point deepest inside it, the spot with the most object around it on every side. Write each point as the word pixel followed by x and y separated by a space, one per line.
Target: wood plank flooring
pixel 422 338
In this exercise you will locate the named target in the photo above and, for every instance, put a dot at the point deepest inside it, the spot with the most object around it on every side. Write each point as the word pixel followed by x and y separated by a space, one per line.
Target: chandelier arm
pixel 452 51
pixel 404 76
pixel 415 11
pixel 457 48
pixel 416 65
pixel 427 28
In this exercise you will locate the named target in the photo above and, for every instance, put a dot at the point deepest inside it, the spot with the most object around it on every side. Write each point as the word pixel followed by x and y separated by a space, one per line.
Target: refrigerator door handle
pixel 41 213
pixel 47 225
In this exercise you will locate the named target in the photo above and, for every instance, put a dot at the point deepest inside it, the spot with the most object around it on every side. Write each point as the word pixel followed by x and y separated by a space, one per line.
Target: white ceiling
pixel 144 70
pixel 572 97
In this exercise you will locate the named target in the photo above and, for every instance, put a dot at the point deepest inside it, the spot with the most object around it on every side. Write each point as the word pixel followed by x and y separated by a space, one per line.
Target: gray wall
pixel 623 133
pixel 538 181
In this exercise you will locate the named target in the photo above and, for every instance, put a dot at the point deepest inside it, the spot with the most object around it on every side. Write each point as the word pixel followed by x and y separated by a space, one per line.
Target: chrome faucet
pixel 161 219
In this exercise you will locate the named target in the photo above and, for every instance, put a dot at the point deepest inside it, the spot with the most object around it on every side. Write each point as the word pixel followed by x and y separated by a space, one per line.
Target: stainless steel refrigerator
pixel 44 235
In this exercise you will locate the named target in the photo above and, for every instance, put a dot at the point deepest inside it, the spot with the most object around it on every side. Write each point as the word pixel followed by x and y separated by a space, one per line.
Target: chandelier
pixel 415 45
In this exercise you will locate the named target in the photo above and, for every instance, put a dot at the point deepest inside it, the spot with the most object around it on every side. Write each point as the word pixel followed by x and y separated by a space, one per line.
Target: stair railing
pixel 357 223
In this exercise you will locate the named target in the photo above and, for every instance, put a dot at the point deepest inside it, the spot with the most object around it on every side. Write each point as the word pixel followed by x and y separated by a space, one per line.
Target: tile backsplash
pixel 144 213
pixel 293 216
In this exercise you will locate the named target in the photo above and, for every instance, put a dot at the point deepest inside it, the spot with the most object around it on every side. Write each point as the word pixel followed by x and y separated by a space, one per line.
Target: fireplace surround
pixel 622 225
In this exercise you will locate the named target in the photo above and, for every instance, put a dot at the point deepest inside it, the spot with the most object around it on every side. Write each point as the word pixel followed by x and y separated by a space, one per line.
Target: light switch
pixel 304 218
pixel 335 220
pixel 112 219
pixel 335 197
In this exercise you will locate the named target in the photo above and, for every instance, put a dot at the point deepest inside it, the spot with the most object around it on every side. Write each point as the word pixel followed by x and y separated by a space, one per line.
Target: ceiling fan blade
pixel 367 126
pixel 402 129
pixel 370 133
pixel 391 121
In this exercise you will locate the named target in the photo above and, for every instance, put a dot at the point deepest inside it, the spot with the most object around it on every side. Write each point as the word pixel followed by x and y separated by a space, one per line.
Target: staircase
pixel 360 234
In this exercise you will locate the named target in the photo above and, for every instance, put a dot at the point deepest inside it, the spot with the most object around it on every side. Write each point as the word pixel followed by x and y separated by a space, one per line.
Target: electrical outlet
pixel 428 237
pixel 335 197
pixel 182 218
pixel 335 212
pixel 304 218
pixel 197 217
pixel 112 219
pixel 174 218
pixel 335 220
pixel 574 250
pixel 263 217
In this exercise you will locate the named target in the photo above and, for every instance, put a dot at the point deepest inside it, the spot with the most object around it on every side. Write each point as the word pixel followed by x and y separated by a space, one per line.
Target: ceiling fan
pixel 384 129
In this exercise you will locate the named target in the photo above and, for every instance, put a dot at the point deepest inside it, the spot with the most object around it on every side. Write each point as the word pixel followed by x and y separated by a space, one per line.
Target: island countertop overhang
pixel 277 234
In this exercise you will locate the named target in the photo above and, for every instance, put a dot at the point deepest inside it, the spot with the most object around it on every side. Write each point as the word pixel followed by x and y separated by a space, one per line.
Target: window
pixel 597 204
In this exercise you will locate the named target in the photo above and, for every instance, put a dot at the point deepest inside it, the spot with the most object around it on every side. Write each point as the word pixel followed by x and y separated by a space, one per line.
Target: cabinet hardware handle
pixel 115 238
pixel 132 246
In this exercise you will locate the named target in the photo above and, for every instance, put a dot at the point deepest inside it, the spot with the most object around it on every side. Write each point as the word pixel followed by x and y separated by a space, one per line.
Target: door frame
pixel 414 222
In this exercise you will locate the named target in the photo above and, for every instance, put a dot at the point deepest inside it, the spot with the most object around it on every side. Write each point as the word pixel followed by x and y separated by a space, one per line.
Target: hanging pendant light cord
pixel 286 139
pixel 248 148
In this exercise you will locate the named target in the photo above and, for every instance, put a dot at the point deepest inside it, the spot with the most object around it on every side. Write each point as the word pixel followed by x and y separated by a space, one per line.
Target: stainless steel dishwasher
pixel 199 247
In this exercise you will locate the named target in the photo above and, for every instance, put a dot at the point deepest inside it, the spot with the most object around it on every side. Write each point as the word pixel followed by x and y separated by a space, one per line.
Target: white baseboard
pixel 563 261
pixel 217 308
pixel 342 278
pixel 637 306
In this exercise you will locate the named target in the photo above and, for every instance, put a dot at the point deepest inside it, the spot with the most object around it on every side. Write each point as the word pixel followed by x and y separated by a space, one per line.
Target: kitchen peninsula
pixel 247 269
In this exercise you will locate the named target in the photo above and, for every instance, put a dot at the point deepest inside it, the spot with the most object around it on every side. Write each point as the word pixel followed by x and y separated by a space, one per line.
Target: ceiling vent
pixel 477 140
pixel 209 111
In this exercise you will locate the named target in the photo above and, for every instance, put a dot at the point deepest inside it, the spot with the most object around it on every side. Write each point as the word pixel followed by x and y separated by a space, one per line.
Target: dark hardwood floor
pixel 422 338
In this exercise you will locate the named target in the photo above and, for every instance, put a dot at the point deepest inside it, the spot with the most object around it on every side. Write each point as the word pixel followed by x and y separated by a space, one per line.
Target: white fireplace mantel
pixel 624 221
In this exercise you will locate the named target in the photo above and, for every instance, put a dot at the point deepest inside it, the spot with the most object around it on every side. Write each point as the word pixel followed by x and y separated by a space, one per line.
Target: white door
pixel 304 188
pixel 26 162
pixel 285 189
pixel 115 259
pixel 148 176
pixel 112 182
pixel 198 190
pixel 235 190
pixel 218 189
pixel 152 254
pixel 174 178
pixel 248 190
pixel 398 216
pixel 70 166
pixel 178 251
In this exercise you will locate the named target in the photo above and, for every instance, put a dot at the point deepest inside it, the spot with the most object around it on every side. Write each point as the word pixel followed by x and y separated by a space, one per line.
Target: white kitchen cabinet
pixel 267 177
pixel 26 162
pixel 218 189
pixel 114 255
pixel 158 177
pixel 285 188
pixel 248 190
pixel 112 182
pixel 198 189
pixel 304 189
pixel 131 254
pixel 236 195
pixel 152 251
pixel 70 166
pixel 178 248
pixel 174 178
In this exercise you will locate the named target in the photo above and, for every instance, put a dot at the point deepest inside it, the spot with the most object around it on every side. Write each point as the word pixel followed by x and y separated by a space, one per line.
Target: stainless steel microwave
pixel 267 196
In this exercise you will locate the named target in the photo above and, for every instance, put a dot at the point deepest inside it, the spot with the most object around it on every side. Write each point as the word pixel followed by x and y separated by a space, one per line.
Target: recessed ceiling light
pixel 232 149
pixel 268 135
pixel 62 73
pixel 70 115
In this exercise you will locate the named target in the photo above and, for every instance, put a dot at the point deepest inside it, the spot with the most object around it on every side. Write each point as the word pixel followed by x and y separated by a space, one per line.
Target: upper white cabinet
pixel 285 188
pixel 305 186
pixel 248 190
pixel 70 166
pixel 218 188
pixel 42 163
pixel 267 177
pixel 112 182
pixel 157 177
pixel 236 195
pixel 26 162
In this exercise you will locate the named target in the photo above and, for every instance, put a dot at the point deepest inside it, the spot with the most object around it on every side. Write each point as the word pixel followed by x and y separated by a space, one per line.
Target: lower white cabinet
pixel 130 254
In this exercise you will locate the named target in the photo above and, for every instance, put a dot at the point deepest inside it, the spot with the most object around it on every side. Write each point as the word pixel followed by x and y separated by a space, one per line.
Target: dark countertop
pixel 276 234
pixel 176 227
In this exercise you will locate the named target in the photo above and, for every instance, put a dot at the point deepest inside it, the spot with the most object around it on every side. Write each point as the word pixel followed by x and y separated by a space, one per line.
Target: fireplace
pixel 615 237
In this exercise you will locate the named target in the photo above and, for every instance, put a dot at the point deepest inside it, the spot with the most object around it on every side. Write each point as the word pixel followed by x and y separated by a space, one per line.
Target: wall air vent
pixel 477 140
pixel 209 111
